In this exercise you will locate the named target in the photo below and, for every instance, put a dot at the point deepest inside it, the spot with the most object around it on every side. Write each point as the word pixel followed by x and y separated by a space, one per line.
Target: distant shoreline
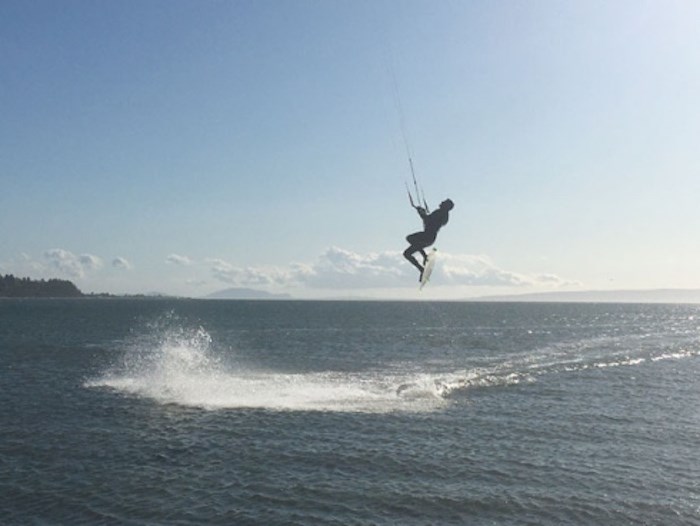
pixel 12 287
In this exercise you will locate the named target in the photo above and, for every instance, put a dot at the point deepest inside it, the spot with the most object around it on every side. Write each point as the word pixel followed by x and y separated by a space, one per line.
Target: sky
pixel 185 147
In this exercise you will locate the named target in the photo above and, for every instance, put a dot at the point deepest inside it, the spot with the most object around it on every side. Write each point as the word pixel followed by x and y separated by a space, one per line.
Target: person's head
pixel 447 204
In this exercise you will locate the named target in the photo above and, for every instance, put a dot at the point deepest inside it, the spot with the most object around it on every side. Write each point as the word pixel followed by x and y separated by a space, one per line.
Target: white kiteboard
pixel 428 268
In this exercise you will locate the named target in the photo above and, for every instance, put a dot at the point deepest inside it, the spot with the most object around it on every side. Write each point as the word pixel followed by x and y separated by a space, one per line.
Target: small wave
pixel 628 361
pixel 486 379
pixel 445 385
pixel 674 355
pixel 619 363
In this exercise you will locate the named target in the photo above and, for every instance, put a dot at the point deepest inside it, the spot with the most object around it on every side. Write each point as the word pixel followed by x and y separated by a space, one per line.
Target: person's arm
pixel 421 212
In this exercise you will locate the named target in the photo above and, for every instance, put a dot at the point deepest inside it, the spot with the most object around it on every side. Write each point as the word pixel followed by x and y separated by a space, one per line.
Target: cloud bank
pixel 334 269
pixel 338 268
pixel 481 271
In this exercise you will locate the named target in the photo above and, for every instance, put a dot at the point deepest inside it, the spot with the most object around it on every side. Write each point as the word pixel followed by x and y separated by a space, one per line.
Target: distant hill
pixel 246 294
pixel 12 287
pixel 606 296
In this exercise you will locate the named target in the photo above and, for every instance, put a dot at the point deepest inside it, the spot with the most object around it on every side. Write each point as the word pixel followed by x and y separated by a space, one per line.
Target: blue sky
pixel 189 146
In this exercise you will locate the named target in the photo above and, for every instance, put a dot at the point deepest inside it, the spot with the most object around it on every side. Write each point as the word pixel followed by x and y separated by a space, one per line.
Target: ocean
pixel 194 412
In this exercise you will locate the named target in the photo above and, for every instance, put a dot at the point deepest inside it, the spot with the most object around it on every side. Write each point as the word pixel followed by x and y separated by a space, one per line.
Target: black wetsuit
pixel 432 223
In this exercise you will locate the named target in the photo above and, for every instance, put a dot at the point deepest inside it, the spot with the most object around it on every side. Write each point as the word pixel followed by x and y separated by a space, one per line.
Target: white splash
pixel 178 366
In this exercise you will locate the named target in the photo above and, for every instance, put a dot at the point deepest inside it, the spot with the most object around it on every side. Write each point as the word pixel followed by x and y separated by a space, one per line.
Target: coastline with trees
pixel 13 287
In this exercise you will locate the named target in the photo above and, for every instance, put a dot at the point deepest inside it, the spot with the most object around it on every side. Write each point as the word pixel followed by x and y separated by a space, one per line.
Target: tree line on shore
pixel 13 287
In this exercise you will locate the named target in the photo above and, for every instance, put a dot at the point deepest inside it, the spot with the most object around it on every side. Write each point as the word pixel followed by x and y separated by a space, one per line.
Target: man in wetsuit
pixel 432 223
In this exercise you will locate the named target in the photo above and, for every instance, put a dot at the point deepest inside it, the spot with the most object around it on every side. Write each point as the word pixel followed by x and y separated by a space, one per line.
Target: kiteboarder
pixel 432 223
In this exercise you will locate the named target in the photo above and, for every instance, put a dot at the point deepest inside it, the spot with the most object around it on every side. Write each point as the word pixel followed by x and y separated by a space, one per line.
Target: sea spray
pixel 165 360
pixel 171 362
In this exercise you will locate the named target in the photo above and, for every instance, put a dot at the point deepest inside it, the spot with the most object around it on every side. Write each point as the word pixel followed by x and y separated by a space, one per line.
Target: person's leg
pixel 417 244
pixel 408 254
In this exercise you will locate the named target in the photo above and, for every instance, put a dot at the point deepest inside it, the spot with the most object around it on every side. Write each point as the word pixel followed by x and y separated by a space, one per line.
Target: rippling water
pixel 203 412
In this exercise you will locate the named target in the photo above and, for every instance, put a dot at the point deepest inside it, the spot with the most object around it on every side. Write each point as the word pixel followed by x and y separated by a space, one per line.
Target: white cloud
pixel 250 276
pixel 343 269
pixel 177 259
pixel 121 263
pixel 556 281
pixel 223 271
pixel 25 266
pixel 478 270
pixel 70 264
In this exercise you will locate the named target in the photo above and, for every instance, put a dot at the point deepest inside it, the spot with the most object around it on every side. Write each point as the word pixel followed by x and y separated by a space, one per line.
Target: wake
pixel 170 364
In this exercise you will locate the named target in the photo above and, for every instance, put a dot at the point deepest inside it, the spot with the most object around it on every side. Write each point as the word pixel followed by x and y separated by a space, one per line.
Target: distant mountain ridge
pixel 604 296
pixel 245 294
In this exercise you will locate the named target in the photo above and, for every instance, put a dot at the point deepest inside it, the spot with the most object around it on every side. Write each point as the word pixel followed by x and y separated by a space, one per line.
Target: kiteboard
pixel 428 268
